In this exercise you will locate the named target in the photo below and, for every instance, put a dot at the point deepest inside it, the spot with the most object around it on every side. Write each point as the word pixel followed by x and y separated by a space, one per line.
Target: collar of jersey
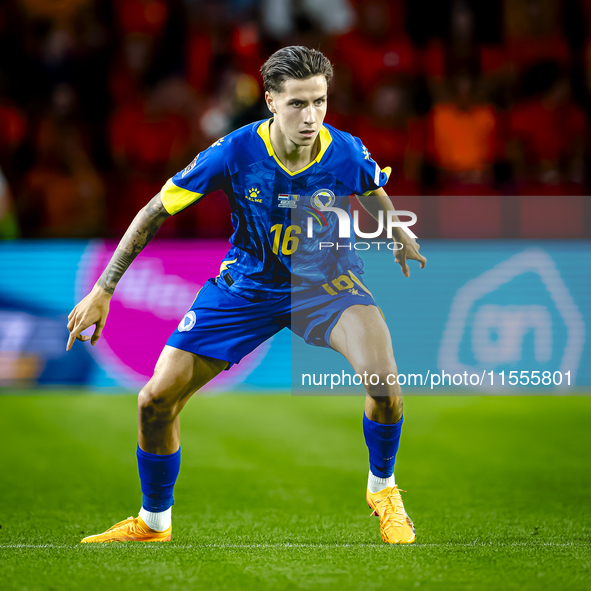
pixel 325 141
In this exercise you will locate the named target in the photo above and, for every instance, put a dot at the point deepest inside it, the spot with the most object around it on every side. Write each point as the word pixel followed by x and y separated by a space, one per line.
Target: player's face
pixel 300 109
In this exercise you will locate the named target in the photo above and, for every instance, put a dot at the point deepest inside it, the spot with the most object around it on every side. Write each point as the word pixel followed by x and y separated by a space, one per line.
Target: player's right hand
pixel 93 309
pixel 409 252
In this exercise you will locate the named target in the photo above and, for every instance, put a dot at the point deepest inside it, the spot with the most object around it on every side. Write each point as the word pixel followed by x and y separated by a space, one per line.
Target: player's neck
pixel 292 156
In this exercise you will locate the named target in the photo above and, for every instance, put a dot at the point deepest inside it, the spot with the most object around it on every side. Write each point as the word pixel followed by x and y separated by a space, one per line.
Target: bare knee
pixel 154 407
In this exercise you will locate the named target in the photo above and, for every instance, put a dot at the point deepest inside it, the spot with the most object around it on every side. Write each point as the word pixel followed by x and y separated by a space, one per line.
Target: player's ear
pixel 269 101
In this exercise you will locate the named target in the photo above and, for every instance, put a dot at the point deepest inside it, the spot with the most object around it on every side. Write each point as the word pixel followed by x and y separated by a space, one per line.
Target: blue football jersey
pixel 271 251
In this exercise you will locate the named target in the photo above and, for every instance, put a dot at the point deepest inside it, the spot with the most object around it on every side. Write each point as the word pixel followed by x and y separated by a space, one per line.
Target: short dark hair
pixel 294 61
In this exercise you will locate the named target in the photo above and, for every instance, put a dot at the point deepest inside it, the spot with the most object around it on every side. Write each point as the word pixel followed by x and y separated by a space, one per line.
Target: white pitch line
pixel 245 546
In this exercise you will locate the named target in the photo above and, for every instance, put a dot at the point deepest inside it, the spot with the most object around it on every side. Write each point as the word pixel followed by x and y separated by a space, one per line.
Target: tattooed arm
pixel 139 233
pixel 94 308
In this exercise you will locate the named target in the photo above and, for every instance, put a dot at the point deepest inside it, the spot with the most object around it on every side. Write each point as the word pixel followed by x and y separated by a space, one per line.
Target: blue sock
pixel 382 442
pixel 158 474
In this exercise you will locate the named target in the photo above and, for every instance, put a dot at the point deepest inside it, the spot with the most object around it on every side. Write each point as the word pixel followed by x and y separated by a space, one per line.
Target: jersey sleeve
pixel 204 175
pixel 367 176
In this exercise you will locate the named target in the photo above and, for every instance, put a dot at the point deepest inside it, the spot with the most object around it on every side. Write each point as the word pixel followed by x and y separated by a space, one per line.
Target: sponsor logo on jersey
pixel 188 322
pixel 286 200
pixel 191 166
pixel 322 198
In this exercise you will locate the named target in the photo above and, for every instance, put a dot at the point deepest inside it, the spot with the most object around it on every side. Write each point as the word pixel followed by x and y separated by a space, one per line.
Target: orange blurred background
pixel 481 107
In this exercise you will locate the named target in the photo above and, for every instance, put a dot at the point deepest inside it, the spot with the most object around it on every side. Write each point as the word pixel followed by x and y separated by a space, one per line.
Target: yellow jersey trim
pixel 265 133
pixel 225 264
pixel 175 198
pixel 224 267
pixel 198 292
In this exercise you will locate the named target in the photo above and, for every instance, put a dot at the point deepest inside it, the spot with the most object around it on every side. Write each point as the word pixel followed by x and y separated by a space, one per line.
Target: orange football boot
pixel 132 529
pixel 395 525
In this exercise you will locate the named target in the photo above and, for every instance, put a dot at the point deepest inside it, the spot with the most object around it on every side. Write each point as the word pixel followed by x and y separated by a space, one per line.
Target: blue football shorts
pixel 226 326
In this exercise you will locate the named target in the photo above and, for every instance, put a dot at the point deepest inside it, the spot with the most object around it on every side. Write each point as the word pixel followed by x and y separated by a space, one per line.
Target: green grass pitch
pixel 272 495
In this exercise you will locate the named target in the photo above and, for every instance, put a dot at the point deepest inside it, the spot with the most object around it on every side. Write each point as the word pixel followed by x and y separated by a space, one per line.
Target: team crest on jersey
pixel 253 194
pixel 322 198
pixel 286 200
pixel 188 322
pixel 191 166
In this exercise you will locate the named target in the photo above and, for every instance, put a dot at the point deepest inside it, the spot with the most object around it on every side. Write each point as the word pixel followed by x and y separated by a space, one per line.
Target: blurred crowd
pixel 101 101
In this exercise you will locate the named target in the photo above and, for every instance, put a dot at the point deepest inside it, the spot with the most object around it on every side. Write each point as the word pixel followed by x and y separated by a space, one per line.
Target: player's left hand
pixel 410 251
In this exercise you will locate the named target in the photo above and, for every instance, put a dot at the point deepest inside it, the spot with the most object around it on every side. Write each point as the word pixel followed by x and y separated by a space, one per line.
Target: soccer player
pixel 266 169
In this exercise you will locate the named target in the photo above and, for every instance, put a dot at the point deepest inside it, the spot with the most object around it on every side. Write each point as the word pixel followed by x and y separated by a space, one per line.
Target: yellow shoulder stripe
pixel 175 198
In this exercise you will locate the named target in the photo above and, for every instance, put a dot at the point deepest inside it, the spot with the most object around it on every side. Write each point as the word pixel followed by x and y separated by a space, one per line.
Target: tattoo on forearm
pixel 140 232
